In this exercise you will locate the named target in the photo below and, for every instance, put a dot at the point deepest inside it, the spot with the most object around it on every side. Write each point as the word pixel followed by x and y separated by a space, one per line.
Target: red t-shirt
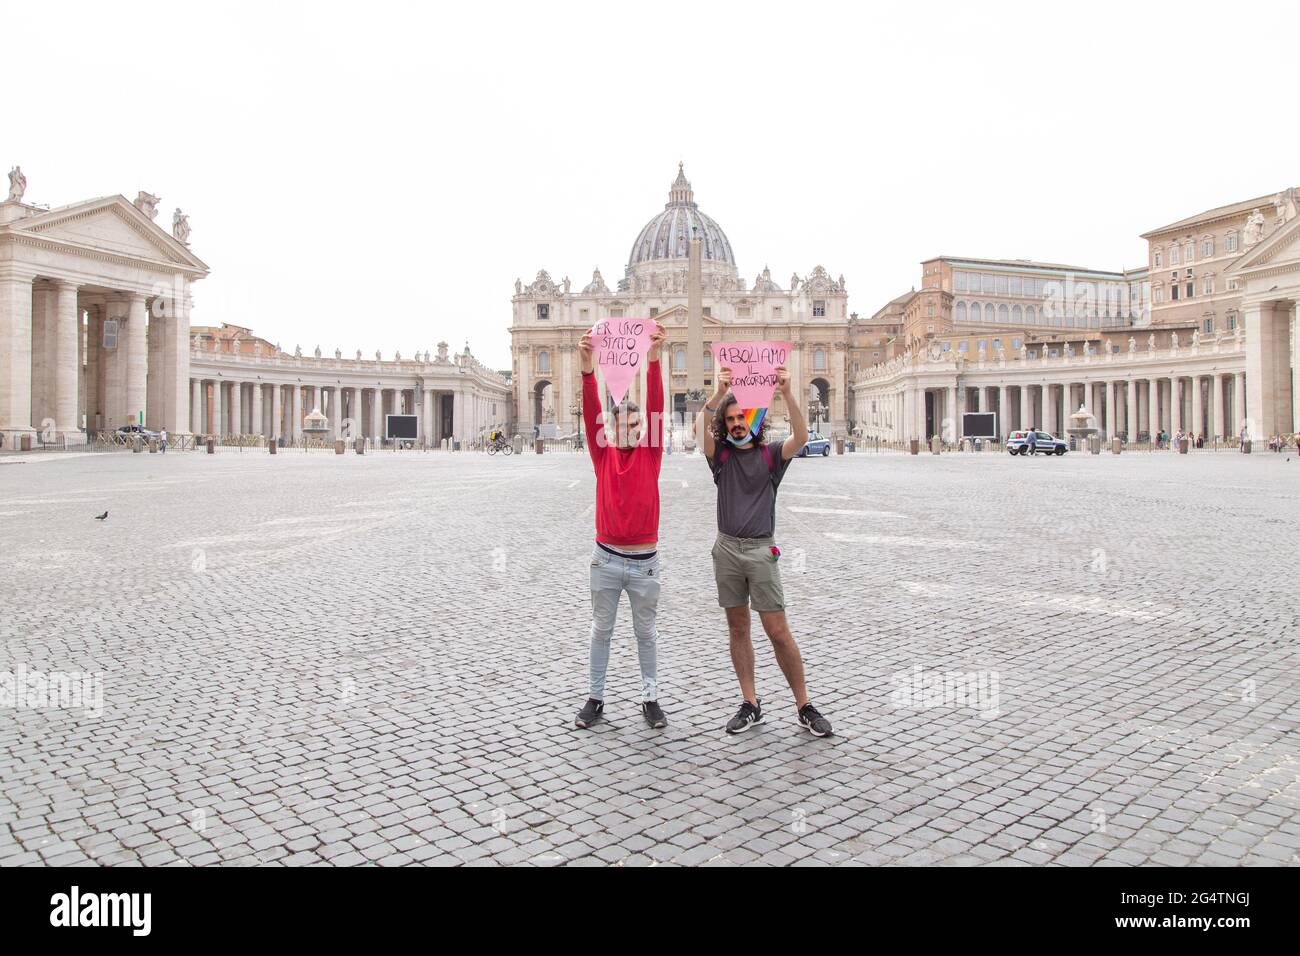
pixel 627 480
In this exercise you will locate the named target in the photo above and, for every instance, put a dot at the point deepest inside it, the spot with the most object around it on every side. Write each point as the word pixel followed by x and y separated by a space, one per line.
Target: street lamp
pixel 815 410
pixel 574 411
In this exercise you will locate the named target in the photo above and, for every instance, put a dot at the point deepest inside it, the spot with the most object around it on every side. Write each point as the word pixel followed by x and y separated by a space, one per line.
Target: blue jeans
pixel 610 577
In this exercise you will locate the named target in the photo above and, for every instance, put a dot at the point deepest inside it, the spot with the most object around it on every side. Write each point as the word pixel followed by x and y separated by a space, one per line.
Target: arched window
pixel 988 312
pixel 819 359
pixel 1004 314
pixel 679 358
pixel 1017 316
pixel 1030 317
pixel 543 361
pixel 708 360
pixel 961 313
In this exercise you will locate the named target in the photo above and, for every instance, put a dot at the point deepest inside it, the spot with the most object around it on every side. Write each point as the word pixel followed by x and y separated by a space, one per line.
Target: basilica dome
pixel 667 236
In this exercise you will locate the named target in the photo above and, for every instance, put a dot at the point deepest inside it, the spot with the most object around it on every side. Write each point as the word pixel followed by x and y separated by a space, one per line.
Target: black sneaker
pixel 590 713
pixel 748 715
pixel 818 725
pixel 654 716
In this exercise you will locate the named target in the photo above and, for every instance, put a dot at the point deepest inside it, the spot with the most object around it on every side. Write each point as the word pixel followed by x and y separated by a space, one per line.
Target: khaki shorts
pixel 747 574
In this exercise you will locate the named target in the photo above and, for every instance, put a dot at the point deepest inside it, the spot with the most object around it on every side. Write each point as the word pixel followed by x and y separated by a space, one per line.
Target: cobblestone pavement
pixel 308 659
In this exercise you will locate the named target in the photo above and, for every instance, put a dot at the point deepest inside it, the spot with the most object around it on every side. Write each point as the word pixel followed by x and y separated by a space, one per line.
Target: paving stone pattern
pixel 311 659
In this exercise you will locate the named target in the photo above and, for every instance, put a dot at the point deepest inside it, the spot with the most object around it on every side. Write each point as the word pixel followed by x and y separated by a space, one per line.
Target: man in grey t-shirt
pixel 747 472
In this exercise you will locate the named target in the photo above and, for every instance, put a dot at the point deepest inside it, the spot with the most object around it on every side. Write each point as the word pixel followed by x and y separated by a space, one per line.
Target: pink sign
pixel 619 347
pixel 753 369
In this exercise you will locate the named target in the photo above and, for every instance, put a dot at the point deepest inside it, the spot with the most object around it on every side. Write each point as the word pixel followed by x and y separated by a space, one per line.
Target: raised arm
pixel 798 424
pixel 590 400
pixel 704 421
pixel 654 389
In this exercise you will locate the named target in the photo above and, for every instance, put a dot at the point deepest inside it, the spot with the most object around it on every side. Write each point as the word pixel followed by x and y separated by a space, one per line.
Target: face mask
pixel 738 443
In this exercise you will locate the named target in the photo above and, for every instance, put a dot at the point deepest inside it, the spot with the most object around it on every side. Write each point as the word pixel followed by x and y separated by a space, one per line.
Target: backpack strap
pixel 725 453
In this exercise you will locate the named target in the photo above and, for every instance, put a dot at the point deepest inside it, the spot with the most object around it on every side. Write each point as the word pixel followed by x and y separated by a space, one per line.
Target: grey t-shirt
pixel 746 489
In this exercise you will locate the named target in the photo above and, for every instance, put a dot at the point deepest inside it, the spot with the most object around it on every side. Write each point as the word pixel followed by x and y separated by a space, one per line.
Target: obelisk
pixel 694 328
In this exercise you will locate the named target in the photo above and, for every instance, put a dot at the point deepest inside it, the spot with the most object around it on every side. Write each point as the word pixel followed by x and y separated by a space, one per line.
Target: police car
pixel 1044 444
pixel 816 445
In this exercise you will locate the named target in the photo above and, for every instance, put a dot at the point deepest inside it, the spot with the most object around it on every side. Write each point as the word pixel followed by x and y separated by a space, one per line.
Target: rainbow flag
pixel 754 418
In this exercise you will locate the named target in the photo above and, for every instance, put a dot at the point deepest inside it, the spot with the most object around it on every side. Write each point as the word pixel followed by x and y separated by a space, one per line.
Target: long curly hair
pixel 719 426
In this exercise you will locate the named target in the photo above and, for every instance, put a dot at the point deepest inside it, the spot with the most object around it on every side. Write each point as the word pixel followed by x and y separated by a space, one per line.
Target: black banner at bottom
pixel 235 905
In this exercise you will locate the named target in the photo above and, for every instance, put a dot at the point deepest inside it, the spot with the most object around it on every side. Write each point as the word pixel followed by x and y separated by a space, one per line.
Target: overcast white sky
pixel 376 175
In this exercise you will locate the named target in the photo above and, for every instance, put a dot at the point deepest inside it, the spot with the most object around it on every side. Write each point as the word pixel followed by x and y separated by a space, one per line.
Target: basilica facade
pixel 700 301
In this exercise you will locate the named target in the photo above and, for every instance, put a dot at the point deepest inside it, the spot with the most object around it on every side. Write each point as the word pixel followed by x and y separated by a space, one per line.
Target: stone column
pixel 176 359
pixel 1238 403
pixel 112 362
pixel 153 334
pixel 43 311
pixel 15 355
pixel 297 395
pixel 1004 412
pixel 1175 404
pixel 376 415
pixel 1131 410
pixel 217 418
pixel 255 411
pixel 1153 406
pixel 357 413
pixel 94 363
pixel 277 413
pixel 1260 363
pixel 196 406
pixel 1217 414
pixel 137 360
pixel 949 433
pixel 1112 409
pixel 1026 413
pixel 65 369
pixel 1293 334
pixel 458 410
pixel 429 425
pixel 1198 407
pixel 237 408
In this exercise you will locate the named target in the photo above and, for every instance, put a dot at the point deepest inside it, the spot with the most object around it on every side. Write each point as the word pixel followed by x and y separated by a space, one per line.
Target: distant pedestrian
pixel 162 441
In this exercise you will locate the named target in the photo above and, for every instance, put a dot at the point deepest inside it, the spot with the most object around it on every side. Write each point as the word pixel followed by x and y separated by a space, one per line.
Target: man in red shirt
pixel 626 459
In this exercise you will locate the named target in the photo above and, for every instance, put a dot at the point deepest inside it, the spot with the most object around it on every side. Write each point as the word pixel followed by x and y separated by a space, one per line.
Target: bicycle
pixel 501 445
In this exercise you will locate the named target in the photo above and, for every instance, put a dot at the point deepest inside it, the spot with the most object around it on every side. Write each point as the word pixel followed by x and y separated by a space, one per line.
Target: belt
pixel 638 556
pixel 746 542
